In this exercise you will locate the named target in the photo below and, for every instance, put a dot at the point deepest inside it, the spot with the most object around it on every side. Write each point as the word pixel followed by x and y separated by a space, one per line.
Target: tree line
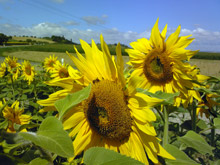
pixel 59 39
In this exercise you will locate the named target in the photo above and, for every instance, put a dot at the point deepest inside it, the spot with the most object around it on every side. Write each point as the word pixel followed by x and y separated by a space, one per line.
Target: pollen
pixel 107 111
pixel 158 68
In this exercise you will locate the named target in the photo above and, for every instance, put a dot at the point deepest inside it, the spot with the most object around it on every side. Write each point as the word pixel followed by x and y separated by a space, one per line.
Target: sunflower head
pixel 13 66
pixel 3 69
pixel 60 71
pixel 161 63
pixel 158 68
pixel 14 115
pixel 12 62
pixel 107 112
pixel 28 71
pixel 49 63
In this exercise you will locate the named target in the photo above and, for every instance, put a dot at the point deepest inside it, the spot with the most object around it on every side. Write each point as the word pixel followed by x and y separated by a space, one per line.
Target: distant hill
pixel 33 39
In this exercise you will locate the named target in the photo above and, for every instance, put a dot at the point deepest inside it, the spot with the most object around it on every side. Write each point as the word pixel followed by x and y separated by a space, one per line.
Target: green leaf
pixel 168 98
pixel 19 127
pixel 71 100
pixel 213 80
pixel 194 140
pixel 201 124
pixel 205 90
pixel 52 137
pixel 39 161
pixel 217 123
pixel 4 124
pixel 102 156
pixel 217 162
pixel 181 157
pixel 33 104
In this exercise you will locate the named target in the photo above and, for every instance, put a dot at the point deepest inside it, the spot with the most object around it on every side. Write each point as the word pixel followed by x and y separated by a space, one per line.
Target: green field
pixel 62 48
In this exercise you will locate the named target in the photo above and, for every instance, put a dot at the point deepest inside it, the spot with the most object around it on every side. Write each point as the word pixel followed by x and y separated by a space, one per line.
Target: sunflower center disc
pixel 28 70
pixel 157 68
pixel 63 73
pixel 107 111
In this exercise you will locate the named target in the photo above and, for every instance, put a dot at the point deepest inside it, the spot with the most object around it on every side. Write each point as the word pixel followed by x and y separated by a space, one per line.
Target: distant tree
pixel 9 37
pixel 28 40
pixel 61 39
pixel 3 38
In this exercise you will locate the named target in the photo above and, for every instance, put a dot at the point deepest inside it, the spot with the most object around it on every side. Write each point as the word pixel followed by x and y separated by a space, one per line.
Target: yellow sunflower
pixel 206 105
pixel 13 66
pixel 14 115
pixel 60 71
pixel 114 116
pixel 28 71
pixel 160 64
pixel 50 62
pixel 3 69
pixel 194 73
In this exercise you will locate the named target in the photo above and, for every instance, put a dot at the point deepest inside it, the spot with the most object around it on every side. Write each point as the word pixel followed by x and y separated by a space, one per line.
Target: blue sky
pixel 119 21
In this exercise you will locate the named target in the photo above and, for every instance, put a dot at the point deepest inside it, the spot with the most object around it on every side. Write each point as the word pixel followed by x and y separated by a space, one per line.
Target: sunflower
pixel 60 71
pixel 194 73
pixel 13 66
pixel 207 104
pixel 3 69
pixel 28 71
pixel 14 115
pixel 161 64
pixel 50 62
pixel 114 116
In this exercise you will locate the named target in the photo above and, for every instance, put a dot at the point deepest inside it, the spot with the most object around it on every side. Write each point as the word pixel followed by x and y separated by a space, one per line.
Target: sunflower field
pixel 154 109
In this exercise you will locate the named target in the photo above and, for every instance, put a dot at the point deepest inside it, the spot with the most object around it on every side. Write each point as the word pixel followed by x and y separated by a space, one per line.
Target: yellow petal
pixel 163 33
pixel 156 37
pixel 82 139
pixel 137 149
pixel 172 39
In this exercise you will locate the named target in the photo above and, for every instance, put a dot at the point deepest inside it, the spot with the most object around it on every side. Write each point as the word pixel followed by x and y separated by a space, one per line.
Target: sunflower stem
pixel 35 91
pixel 160 113
pixel 212 142
pixel 12 86
pixel 194 118
pixel 166 126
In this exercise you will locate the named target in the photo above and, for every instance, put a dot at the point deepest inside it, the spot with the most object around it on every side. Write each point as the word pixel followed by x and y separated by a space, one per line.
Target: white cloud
pixel 204 40
pixel 95 20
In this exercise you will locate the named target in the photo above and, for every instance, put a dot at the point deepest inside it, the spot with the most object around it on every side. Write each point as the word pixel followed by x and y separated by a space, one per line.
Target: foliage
pixel 61 39
pixel 207 55
pixel 3 38
pixel 99 156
